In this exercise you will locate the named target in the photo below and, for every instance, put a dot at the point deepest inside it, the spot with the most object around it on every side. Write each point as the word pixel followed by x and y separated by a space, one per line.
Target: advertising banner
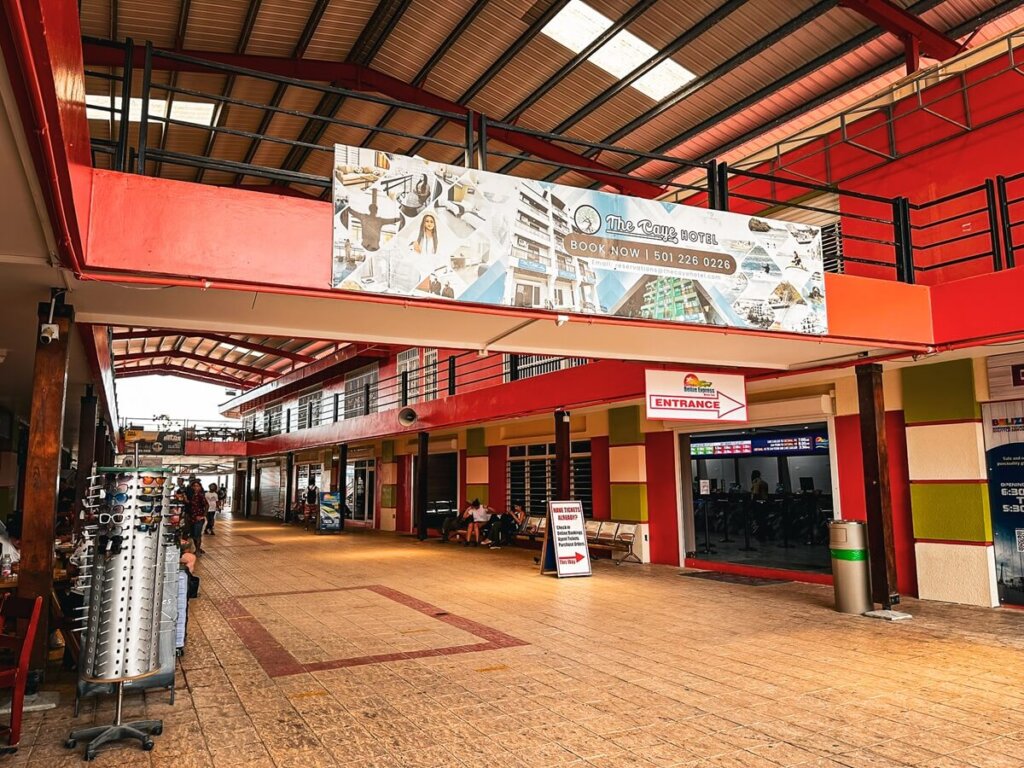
pixel 1004 454
pixel 689 396
pixel 411 227
pixel 330 512
pixel 157 443
pixel 565 541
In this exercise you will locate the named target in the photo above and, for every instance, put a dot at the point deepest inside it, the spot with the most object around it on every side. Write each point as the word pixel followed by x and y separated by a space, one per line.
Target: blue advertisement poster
pixel 1004 454
pixel 330 512
pixel 415 228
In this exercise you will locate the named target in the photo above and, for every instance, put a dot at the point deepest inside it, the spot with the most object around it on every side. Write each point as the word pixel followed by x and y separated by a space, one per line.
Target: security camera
pixel 49 333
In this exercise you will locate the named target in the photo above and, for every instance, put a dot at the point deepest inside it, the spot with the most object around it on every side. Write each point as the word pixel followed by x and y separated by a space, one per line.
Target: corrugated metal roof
pixel 247 360
pixel 415 36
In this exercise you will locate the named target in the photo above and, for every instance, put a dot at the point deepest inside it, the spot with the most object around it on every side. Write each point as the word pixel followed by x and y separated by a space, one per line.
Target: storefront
pixel 760 496
pixel 361 490
pixel 442 486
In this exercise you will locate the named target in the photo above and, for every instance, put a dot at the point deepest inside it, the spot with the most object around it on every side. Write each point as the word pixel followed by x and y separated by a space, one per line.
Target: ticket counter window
pixel 765 499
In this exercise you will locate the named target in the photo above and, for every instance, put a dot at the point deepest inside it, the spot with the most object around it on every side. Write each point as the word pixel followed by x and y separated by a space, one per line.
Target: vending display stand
pixel 128 622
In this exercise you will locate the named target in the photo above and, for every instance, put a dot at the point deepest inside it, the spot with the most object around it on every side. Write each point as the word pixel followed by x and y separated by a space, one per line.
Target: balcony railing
pixel 194 429
pixel 973 230
pixel 446 377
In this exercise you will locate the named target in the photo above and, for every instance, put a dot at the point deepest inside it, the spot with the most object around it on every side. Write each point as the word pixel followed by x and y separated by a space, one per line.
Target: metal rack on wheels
pixel 130 602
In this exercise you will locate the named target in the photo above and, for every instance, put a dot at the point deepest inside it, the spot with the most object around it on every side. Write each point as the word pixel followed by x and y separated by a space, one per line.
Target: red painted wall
pixel 403 495
pixel 497 482
pixel 662 504
pixel 600 471
pixel 851 488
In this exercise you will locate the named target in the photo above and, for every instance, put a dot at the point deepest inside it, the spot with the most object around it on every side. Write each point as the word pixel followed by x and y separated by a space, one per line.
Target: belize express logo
pixel 694 385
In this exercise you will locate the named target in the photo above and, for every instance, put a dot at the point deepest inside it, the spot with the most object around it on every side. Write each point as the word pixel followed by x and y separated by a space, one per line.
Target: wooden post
pixel 42 470
pixel 422 463
pixel 563 462
pixel 877 494
pixel 86 451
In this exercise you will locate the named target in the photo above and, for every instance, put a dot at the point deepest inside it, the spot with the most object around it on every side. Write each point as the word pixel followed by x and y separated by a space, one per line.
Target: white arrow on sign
pixel 688 396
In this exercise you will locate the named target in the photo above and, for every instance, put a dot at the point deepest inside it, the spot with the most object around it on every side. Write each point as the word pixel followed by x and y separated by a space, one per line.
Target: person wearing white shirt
pixel 213 501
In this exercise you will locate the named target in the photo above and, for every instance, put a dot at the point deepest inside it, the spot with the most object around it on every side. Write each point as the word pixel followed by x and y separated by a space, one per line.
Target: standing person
pixel 759 500
pixel 195 514
pixel 212 505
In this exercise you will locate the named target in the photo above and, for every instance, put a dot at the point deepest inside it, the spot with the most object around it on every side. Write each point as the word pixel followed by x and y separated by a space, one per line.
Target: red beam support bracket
pixel 918 36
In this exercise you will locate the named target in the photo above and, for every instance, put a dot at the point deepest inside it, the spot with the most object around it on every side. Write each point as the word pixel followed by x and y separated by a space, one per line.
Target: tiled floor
pixel 375 650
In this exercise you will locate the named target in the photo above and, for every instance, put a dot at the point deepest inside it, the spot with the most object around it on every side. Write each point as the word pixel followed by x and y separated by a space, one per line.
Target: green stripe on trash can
pixel 849 554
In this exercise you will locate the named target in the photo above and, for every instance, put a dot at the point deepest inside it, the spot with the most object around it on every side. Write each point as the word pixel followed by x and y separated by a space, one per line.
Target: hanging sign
pixel 159 444
pixel 565 541
pixel 690 396
pixel 411 227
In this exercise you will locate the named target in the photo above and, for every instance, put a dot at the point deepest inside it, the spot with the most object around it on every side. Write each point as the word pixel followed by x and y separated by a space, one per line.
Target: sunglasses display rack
pixel 127 514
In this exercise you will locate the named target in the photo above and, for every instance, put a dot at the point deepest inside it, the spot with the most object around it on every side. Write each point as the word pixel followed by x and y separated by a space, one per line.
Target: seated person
pixel 478 514
pixel 188 556
pixel 452 523
pixel 491 532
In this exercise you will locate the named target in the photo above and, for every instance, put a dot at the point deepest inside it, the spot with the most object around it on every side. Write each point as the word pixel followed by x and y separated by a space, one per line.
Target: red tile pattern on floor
pixel 277 661
pixel 632 667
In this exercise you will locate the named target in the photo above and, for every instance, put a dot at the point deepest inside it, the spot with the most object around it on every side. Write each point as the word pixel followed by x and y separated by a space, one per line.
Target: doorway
pixel 761 497
pixel 361 490
pixel 442 487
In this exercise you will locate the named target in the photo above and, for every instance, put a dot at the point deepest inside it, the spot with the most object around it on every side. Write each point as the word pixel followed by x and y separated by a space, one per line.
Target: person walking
pixel 195 514
pixel 212 506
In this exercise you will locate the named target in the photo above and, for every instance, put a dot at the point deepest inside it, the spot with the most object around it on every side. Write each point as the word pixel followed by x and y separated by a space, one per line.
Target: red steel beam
pixel 359 78
pixel 130 356
pixel 187 373
pixel 906 25
pixel 153 333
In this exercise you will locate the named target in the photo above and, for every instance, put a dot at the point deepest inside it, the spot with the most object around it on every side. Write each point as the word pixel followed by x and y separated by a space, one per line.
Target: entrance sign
pixel 689 396
pixel 1004 456
pixel 411 227
pixel 565 541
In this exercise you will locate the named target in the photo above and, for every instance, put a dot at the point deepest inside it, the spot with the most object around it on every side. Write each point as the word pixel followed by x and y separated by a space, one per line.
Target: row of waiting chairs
pixel 601 534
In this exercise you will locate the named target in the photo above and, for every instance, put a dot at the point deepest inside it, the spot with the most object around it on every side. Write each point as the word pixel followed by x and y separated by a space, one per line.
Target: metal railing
pixel 445 377
pixel 889 237
pixel 211 430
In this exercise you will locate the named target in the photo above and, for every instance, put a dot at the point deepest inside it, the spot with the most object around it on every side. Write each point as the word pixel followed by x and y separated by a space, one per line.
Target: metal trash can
pixel 848 544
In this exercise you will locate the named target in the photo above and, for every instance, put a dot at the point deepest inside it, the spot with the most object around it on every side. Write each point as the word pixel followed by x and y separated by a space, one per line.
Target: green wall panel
pixel 477 492
pixel 388 496
pixel 953 511
pixel 387 451
pixel 940 392
pixel 624 426
pixel 476 444
pixel 629 502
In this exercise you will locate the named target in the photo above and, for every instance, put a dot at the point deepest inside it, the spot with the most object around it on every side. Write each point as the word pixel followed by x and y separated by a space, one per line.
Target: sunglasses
pixel 151 491
pixel 112 477
pixel 151 509
pixel 157 480
pixel 117 517
pixel 119 498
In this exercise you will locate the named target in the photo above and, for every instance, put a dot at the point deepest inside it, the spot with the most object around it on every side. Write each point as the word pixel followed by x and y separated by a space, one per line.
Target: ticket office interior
pixel 788 528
